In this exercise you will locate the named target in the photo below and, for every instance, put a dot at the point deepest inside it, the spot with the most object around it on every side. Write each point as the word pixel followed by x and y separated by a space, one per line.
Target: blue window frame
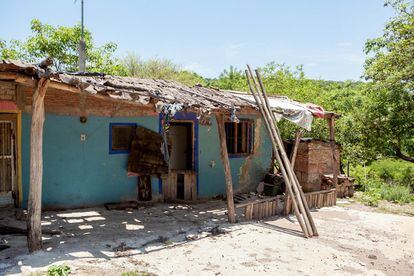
pixel 120 137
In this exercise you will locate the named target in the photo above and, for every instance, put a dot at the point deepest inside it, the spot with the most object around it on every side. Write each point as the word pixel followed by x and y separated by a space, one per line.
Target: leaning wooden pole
pixel 277 138
pixel 34 208
pixel 331 125
pixel 296 185
pixel 276 153
pixel 226 164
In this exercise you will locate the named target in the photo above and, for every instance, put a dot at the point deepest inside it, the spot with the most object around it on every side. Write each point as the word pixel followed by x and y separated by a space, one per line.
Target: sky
pixel 325 36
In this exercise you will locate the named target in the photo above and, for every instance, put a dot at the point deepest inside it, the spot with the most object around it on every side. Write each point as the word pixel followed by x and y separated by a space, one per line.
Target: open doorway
pixel 181 135
pixel 8 160
pixel 182 182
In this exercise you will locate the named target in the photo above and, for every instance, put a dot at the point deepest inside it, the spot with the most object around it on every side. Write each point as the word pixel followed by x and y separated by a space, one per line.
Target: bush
pixel 385 179
pixel 58 270
pixel 398 194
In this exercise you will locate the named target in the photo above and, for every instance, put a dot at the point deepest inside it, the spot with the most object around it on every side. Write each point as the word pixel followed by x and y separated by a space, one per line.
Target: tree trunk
pixel 226 165
pixel 400 155
pixel 34 228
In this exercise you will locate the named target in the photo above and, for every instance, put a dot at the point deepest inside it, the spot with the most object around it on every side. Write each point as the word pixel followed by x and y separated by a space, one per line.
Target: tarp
pixel 288 109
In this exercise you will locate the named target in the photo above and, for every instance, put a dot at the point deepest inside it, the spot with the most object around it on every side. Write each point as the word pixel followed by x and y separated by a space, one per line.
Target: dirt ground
pixel 188 240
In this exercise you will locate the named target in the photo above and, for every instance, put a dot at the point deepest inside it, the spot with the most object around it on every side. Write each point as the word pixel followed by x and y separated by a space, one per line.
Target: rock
pixel 372 256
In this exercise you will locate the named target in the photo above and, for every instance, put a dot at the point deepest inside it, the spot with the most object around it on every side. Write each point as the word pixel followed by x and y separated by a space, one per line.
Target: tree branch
pixel 402 156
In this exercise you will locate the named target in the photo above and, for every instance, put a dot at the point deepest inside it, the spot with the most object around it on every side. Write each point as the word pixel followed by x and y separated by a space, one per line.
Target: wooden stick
pixel 298 136
pixel 285 161
pixel 331 124
pixel 276 153
pixel 226 165
pixel 289 168
pixel 34 205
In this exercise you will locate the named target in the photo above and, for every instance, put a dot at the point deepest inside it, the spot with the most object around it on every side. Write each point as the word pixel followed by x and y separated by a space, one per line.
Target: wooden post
pixel 226 165
pixel 335 162
pixel 298 136
pixel 34 209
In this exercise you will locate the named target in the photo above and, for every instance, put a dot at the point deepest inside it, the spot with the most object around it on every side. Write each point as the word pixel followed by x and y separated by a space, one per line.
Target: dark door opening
pixel 181 136
pixel 181 159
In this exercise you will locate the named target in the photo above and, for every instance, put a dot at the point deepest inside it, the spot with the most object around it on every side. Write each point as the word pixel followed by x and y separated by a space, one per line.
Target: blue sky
pixel 326 36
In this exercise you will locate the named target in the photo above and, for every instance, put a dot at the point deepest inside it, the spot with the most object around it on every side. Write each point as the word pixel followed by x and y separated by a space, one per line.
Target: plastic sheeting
pixel 284 107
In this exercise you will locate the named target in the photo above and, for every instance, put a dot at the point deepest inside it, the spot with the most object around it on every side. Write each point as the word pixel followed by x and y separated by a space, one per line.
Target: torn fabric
pixel 283 107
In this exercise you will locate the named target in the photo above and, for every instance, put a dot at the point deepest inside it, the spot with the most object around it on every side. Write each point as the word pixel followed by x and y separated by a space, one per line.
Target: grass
pixel 385 179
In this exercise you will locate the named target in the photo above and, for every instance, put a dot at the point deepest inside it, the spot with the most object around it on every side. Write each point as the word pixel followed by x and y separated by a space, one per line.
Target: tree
pixel 156 68
pixel 389 110
pixel 61 44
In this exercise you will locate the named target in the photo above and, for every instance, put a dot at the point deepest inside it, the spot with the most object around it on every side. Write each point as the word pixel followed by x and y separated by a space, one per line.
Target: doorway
pixel 182 181
pixel 180 135
pixel 8 160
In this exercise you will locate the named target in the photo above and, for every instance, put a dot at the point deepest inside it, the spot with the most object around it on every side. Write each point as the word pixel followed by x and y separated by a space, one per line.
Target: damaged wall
pixel 83 173
pixel 247 171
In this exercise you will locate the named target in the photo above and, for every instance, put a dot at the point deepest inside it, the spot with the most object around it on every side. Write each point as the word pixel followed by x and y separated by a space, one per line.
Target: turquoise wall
pixel 246 172
pixel 83 173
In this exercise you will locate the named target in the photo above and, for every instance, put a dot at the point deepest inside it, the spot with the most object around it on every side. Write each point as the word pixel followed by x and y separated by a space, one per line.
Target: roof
pixel 142 91
pixel 160 92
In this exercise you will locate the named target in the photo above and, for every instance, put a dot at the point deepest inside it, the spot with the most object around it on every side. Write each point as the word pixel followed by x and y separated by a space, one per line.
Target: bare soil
pixel 188 240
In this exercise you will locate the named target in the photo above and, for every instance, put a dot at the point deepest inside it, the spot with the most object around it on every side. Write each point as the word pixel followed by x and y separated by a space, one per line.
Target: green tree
pixel 61 44
pixel 389 110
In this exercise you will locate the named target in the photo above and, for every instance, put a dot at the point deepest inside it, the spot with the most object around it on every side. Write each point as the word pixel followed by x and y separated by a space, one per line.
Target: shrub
pixel 58 270
pixel 385 179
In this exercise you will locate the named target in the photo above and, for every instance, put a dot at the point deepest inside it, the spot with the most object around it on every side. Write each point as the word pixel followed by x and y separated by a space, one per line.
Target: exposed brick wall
pixel 7 91
pixel 314 159
pixel 70 103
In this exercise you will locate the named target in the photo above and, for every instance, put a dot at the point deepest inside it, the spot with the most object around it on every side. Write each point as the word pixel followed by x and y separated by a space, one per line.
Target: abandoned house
pixel 106 139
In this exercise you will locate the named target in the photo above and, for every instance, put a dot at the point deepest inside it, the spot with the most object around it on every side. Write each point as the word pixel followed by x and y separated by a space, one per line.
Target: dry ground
pixel 173 239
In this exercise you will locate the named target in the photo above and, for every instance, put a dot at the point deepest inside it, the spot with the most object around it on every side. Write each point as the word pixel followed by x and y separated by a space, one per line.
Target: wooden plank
pixel 255 211
pixel 34 210
pixel 187 185
pixel 193 186
pixel 255 201
pixel 173 185
pixel 226 164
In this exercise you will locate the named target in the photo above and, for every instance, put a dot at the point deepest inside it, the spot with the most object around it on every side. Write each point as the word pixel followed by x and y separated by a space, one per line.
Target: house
pixel 92 119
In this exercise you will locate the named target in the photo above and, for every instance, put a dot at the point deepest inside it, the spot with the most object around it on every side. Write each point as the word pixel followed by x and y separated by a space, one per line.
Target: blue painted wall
pixel 77 173
pixel 247 172
pixel 83 173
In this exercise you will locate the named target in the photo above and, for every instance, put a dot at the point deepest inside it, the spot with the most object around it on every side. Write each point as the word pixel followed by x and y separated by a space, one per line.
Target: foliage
pixel 389 111
pixel 156 68
pixel 61 44
pixel 58 270
pixel 389 179
pixel 345 98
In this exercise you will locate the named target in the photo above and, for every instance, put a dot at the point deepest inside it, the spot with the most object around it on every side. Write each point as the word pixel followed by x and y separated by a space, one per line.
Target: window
pixel 120 137
pixel 239 137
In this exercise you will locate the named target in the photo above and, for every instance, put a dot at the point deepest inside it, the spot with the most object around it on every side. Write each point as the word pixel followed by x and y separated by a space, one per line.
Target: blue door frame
pixel 185 116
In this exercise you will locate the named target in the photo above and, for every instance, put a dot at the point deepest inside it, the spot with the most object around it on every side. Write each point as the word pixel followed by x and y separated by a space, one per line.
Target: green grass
pixel 58 270
pixel 385 179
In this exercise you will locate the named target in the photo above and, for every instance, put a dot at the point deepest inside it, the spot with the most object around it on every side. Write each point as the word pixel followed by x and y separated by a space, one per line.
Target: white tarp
pixel 284 107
